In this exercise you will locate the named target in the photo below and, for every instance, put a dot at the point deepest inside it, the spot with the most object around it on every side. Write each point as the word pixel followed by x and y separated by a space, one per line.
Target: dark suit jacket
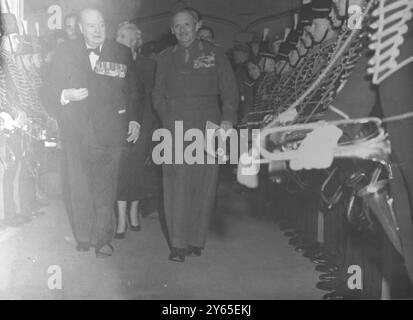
pixel 113 101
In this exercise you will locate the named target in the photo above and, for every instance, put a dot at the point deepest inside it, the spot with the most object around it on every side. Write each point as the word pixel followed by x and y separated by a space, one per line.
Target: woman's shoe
pixel 139 226
pixel 136 228
pixel 121 235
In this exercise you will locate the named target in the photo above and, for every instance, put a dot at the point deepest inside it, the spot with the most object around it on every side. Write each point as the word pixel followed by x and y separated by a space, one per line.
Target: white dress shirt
pixel 93 57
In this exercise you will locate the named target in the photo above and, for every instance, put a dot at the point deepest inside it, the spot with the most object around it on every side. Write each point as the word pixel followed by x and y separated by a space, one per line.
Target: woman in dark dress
pixel 138 177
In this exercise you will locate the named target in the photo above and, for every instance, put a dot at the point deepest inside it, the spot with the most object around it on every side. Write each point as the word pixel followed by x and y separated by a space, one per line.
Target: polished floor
pixel 247 257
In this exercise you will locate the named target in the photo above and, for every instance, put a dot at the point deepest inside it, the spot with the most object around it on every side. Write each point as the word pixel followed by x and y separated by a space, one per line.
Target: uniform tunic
pixel 191 84
pixel 357 100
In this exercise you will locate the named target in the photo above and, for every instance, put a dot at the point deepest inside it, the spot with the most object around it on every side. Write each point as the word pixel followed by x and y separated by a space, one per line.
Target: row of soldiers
pixel 320 72
pixel 25 126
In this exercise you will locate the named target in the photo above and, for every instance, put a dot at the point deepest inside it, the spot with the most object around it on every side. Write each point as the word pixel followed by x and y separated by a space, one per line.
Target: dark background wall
pixel 231 19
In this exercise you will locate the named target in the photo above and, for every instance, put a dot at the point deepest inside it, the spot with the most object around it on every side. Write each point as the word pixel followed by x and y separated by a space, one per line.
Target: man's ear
pixel 172 31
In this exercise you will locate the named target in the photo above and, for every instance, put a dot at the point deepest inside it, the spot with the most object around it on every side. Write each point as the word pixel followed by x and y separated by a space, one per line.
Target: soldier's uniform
pixel 191 84
pixel 373 251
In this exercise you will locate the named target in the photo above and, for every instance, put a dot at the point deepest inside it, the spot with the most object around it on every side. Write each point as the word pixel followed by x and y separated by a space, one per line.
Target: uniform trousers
pixel 189 189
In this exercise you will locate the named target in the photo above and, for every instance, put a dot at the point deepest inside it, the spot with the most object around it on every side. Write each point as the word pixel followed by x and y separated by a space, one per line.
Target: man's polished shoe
pixel 177 255
pixel 342 294
pixel 104 251
pixel 83 247
pixel 196 251
pixel 330 285
pixel 329 276
pixel 320 260
pixel 316 254
pixel 327 268
pixel 335 295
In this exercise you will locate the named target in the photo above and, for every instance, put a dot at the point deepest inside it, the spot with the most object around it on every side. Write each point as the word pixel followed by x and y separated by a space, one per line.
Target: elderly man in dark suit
pixel 91 89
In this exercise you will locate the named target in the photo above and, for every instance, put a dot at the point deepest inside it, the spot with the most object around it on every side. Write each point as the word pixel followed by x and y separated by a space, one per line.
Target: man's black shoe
pixel 83 247
pixel 329 276
pixel 343 293
pixel 196 251
pixel 177 255
pixel 327 268
pixel 104 251
pixel 330 285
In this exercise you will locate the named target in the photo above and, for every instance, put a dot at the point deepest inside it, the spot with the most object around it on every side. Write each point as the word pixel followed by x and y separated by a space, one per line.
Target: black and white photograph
pixel 218 152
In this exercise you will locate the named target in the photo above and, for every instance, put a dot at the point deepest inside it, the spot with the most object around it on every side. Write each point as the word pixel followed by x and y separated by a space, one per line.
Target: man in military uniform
pixel 193 79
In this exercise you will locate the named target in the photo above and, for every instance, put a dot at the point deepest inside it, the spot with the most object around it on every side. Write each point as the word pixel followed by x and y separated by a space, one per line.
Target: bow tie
pixel 96 51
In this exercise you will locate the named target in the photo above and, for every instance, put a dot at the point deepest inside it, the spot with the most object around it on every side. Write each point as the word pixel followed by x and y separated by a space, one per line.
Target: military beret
pixel 8 24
